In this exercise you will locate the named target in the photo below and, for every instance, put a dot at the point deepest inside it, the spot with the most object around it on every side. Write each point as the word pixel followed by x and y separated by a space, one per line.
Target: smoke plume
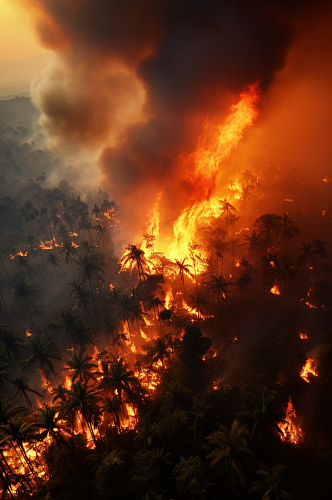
pixel 138 80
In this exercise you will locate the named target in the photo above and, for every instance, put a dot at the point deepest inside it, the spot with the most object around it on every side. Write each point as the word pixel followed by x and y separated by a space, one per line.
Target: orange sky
pixel 17 40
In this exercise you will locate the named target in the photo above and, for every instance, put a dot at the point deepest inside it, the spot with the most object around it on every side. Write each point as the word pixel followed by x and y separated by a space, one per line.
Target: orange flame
pixel 22 254
pixel 308 370
pixel 48 245
pixel 291 432
pixel 275 290
pixel 303 336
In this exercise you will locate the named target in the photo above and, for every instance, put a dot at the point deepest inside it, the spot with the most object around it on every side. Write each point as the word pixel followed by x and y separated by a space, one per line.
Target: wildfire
pixel 291 432
pixel 22 254
pixel 275 290
pixel 303 336
pixel 48 245
pixel 28 333
pixel 308 369
pixel 310 305
pixel 129 422
pixel 201 168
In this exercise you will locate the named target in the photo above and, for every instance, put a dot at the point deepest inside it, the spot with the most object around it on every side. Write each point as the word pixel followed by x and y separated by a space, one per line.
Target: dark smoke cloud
pixel 139 76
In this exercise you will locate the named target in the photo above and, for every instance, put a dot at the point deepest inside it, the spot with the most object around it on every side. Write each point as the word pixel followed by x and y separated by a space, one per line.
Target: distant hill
pixel 18 112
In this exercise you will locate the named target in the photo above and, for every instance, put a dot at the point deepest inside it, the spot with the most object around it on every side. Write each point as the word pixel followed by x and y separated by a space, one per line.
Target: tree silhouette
pixel 17 432
pixel 47 419
pixel 307 251
pixel 254 243
pixel 42 353
pixel 183 269
pixel 54 261
pixel 198 302
pixel 11 342
pixel 286 271
pixel 219 286
pixel 113 406
pixel 23 387
pixel 69 252
pixel 90 268
pixel 24 291
pixel 134 257
pixel 81 365
pixel 121 378
pixel 231 446
pixel 269 226
pixel 272 484
pixel 85 400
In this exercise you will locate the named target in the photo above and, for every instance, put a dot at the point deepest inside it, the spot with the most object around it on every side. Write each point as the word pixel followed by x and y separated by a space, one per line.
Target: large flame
pixel 291 432
pixel 201 168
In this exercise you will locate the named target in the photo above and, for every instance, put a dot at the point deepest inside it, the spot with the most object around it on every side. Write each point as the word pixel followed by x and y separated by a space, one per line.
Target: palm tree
pixel 69 251
pixel 254 242
pixel 264 412
pixel 307 251
pixel 67 321
pixel 17 431
pixel 158 351
pixel 47 419
pixel 198 302
pixel 95 211
pixel 80 365
pixel 83 399
pixel 288 230
pixel 54 261
pixel 134 257
pixel 42 353
pixel 219 286
pixel 89 269
pixel 286 270
pixel 272 484
pixel 221 247
pixel 232 448
pixel 59 392
pixel 226 208
pixel 183 270
pixel 23 291
pixel 11 342
pixel 23 387
pixel 121 378
pixel 129 309
pixel 113 406
pixel 79 291
pixel 269 226
pixel 81 334
pixel 101 231
pixel 7 411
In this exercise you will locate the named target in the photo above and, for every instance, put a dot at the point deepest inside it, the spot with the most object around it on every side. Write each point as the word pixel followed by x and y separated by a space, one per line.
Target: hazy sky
pixel 17 40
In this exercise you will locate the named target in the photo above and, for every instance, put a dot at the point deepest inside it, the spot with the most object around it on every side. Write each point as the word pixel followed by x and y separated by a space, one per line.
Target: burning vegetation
pixel 150 343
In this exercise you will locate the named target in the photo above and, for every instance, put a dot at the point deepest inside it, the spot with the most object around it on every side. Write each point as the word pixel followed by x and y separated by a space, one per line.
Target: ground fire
pixel 165 267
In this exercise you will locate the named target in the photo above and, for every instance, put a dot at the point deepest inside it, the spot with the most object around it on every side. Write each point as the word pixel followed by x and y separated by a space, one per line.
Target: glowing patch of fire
pixel 275 290
pixel 291 432
pixel 308 370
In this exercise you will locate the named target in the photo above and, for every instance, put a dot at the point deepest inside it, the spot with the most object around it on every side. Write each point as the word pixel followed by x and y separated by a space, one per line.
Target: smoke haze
pixel 137 80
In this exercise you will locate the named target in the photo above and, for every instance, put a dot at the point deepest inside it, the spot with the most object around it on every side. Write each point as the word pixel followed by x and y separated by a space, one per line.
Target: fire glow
pixel 275 290
pixel 290 431
pixel 309 370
